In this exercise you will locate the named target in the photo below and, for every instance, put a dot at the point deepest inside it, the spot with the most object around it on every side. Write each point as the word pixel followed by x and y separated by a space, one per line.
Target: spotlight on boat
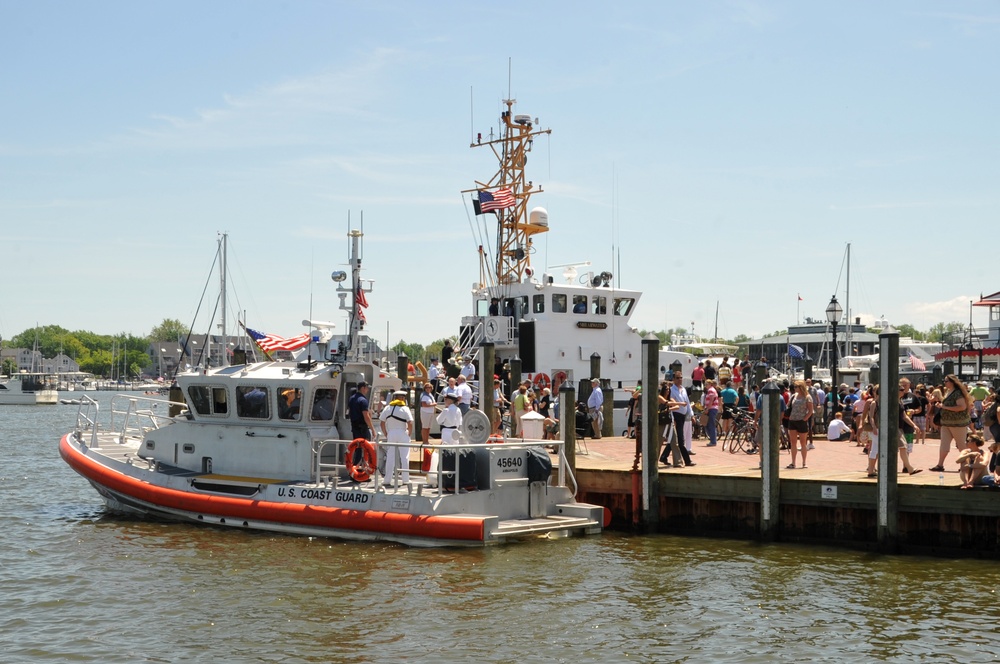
pixel 339 276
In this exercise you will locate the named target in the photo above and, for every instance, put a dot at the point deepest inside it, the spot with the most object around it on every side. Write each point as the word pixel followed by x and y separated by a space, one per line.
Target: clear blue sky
pixel 729 150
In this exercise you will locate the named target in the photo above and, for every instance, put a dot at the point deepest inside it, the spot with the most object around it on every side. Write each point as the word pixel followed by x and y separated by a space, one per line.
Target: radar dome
pixel 539 217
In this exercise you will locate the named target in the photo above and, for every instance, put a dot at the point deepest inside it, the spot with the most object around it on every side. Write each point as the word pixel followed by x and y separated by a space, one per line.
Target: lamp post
pixel 833 313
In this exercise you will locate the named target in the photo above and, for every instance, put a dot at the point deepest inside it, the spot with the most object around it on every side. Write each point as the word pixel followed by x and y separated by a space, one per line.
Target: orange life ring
pixel 559 377
pixel 361 471
pixel 542 381
pixel 495 438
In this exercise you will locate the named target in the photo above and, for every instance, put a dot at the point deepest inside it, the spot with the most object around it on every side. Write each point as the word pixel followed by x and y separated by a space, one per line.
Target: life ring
pixel 495 438
pixel 559 377
pixel 542 381
pixel 363 469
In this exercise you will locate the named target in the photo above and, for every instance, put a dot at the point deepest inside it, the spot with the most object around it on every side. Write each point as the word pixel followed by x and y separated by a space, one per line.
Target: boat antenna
pixel 312 283
pixel 509 68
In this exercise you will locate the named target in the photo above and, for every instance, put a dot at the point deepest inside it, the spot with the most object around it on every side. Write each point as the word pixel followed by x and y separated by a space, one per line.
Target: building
pixel 814 338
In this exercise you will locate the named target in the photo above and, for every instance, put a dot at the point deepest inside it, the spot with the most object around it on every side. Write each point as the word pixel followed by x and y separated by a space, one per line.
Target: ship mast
pixel 512 260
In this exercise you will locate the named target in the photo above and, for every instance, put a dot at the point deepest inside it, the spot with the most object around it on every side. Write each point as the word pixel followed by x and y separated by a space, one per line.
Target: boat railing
pixel 133 416
pixel 324 473
pixel 87 415
pixel 130 417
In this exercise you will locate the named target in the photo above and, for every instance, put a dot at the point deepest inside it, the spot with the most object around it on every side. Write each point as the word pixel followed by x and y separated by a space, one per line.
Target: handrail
pixel 519 443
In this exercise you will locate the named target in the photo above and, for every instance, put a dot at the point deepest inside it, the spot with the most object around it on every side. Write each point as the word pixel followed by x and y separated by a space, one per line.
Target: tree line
pixel 97 354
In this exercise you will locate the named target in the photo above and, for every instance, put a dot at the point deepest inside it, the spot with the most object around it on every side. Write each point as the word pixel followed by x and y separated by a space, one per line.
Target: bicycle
pixel 742 436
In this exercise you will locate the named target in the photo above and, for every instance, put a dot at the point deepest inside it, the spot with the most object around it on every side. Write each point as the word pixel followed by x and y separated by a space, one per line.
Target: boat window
pixel 289 403
pixel 200 399
pixel 482 307
pixel 579 304
pixel 508 306
pixel 600 305
pixel 524 304
pixel 623 305
pixel 322 407
pixel 538 304
pixel 252 401
pixel 559 303
pixel 220 401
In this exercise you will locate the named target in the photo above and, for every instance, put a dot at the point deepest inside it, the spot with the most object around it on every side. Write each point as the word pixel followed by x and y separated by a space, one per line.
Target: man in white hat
pixel 595 406
pixel 397 425
pixel 450 419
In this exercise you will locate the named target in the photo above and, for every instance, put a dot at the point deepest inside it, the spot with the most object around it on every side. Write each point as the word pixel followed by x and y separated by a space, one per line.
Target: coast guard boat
pixel 557 320
pixel 264 446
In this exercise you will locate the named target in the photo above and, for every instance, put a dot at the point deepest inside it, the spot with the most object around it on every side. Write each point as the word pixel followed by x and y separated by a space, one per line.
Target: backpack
pixel 990 415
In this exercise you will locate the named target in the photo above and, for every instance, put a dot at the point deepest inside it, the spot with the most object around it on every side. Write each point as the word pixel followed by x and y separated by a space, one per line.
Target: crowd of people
pixel 961 417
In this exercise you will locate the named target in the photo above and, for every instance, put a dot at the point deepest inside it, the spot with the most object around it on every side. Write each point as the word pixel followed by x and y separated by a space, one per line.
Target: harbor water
pixel 82 585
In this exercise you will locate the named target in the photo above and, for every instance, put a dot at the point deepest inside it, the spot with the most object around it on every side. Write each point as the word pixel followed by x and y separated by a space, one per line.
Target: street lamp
pixel 833 313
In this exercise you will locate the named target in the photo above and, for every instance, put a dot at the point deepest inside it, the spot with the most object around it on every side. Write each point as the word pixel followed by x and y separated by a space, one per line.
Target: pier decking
pixel 830 501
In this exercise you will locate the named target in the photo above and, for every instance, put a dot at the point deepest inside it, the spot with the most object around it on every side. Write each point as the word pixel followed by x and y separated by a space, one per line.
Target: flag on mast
pixel 271 342
pixel 501 199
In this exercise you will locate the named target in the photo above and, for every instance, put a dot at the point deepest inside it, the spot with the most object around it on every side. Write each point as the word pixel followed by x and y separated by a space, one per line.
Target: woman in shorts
pixel 799 416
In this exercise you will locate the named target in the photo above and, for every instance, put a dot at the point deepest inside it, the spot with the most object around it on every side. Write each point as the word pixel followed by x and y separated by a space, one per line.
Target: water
pixel 80 585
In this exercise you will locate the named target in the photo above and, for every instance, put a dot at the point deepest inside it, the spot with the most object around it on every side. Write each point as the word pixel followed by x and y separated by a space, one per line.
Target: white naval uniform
pixel 395 419
pixel 450 419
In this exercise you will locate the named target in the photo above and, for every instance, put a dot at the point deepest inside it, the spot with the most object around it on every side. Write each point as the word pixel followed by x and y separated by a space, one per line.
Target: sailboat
pixel 30 387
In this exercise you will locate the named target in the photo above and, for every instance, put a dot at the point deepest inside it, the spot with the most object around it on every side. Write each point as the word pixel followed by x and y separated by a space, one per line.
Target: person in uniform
pixel 361 418
pixel 450 419
pixel 396 421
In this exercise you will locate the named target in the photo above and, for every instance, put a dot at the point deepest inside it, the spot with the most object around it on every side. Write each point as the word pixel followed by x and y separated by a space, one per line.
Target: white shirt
pixel 450 419
pixel 836 429
pixel 464 393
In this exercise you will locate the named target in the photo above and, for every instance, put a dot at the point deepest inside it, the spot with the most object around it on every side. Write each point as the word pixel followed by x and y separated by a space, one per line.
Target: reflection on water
pixel 82 585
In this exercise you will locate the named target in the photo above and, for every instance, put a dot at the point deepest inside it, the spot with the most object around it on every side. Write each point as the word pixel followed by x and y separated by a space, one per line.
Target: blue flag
pixel 795 351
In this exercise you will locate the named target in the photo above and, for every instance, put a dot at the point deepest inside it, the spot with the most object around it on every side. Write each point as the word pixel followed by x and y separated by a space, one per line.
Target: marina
pixel 68 562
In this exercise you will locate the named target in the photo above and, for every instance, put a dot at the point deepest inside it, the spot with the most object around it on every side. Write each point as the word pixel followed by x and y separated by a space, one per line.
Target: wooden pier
pixel 832 501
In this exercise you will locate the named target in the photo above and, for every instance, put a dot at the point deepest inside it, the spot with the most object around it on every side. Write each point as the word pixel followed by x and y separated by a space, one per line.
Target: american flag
pixel 270 342
pixel 916 363
pixel 795 351
pixel 501 199
pixel 359 297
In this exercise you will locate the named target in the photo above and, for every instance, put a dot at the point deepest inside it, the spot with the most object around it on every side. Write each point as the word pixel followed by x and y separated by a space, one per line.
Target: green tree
pixel 97 363
pixel 9 366
pixel 414 352
pixel 949 333
pixel 170 329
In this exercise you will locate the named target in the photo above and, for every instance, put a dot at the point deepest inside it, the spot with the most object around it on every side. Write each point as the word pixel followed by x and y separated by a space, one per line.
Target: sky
pixel 718 156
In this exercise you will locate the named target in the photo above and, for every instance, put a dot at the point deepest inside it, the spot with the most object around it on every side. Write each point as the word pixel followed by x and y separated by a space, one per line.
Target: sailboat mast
pixel 715 338
pixel 224 355
pixel 848 348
